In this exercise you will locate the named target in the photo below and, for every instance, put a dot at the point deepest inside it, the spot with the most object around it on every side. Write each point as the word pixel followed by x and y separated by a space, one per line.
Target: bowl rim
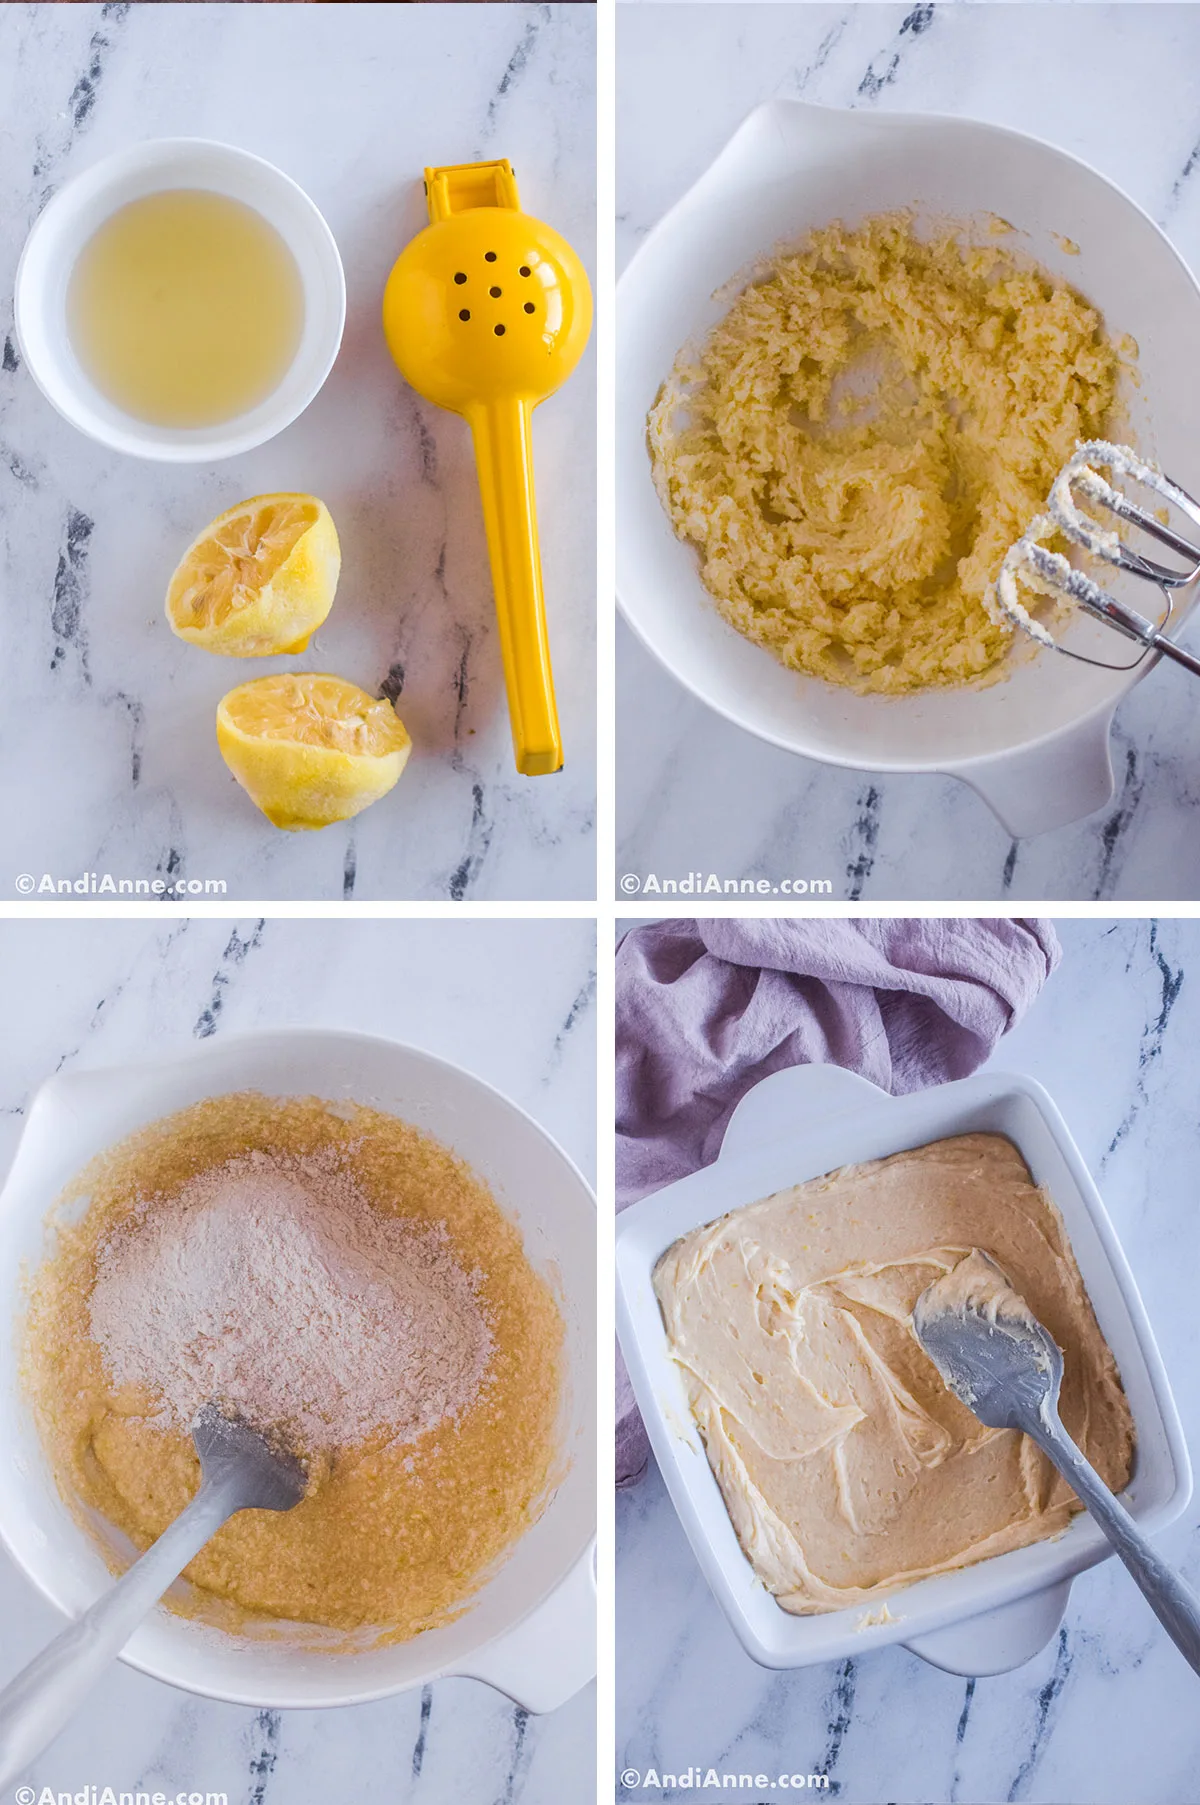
pixel 202 444
pixel 574 1582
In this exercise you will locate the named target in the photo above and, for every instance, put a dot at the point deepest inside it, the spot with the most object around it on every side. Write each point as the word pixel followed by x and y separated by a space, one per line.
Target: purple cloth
pixel 705 1009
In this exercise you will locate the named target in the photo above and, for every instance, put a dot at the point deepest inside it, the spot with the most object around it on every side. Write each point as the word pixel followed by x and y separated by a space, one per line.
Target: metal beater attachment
pixel 1031 563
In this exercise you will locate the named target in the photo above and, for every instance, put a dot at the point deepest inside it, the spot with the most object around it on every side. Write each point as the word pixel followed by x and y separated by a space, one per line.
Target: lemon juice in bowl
pixel 185 308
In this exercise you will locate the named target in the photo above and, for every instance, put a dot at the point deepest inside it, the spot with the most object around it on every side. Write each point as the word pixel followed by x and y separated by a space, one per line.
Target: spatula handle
pixel 504 456
pixel 1169 1596
pixel 36 1704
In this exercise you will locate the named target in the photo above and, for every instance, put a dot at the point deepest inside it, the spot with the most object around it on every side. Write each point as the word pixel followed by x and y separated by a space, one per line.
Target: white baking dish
pixel 1035 746
pixel 531 1630
pixel 800 1124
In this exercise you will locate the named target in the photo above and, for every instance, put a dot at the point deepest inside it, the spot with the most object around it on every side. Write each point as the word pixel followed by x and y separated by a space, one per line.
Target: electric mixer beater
pixel 1049 573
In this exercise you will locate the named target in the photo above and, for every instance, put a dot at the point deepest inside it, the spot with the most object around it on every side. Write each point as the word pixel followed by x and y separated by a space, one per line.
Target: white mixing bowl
pixel 530 1631
pixel 1035 746
pixel 84 203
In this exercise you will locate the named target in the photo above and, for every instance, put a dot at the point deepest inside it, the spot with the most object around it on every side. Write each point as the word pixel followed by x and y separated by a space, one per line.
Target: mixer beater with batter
pixel 1044 572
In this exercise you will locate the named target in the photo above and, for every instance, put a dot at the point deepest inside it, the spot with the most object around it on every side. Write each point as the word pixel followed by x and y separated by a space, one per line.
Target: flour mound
pixel 271 1286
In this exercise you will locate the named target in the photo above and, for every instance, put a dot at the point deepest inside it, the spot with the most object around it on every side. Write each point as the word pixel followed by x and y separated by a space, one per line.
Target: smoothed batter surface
pixel 848 1468
pixel 391 1539
pixel 859 441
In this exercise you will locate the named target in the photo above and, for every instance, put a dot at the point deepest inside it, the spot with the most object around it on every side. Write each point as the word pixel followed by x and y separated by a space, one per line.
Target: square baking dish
pixel 800 1124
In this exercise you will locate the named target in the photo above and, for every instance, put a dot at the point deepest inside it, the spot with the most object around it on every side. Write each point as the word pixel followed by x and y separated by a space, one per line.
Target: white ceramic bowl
pixel 75 213
pixel 530 1631
pixel 1035 746
pixel 800 1124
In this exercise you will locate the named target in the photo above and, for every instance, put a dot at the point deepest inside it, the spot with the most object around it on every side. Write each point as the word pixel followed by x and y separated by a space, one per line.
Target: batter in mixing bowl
pixel 862 437
pixel 330 1273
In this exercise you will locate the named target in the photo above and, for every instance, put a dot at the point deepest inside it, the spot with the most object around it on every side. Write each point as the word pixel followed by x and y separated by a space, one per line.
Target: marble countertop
pixel 1115 85
pixel 1107 1712
pixel 511 1001
pixel 106 743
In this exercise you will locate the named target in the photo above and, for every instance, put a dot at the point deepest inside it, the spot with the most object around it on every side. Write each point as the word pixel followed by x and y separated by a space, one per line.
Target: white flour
pixel 271 1286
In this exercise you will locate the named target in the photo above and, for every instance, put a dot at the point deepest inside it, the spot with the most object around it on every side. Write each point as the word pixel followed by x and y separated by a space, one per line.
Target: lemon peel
pixel 310 748
pixel 259 580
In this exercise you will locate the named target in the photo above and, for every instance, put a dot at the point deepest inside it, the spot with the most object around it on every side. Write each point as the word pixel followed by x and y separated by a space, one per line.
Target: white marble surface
pixel 1118 86
pixel 107 755
pixel 511 1001
pixel 1107 1713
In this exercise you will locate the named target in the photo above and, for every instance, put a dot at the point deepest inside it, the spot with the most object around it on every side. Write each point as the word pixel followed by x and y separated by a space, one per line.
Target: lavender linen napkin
pixel 705 1009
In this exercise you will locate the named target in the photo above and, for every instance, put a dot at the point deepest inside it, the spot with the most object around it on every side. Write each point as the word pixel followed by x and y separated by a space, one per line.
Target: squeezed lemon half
pixel 259 579
pixel 309 748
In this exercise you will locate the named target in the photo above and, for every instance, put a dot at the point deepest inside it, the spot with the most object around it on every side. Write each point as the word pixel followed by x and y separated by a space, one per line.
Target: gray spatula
pixel 238 1471
pixel 1008 1370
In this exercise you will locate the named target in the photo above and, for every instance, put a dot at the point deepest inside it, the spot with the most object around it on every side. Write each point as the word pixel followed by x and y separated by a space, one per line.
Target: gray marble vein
pixel 1117 86
pixel 352 101
pixel 1106 1713
pixel 512 1001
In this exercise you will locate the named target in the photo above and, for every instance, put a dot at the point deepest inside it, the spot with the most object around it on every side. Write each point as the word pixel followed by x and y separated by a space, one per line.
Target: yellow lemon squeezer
pixel 487 312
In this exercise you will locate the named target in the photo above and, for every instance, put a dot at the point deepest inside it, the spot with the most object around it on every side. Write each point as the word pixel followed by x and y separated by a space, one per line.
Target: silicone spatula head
pixel 487 312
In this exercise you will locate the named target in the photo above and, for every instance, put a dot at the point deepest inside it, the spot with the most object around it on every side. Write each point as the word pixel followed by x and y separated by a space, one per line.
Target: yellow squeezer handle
pixel 504 457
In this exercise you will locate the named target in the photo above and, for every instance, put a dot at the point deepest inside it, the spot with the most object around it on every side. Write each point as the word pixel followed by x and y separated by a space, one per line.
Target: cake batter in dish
pixel 848 1468
pixel 862 437
pixel 331 1272
pixel 975 1287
